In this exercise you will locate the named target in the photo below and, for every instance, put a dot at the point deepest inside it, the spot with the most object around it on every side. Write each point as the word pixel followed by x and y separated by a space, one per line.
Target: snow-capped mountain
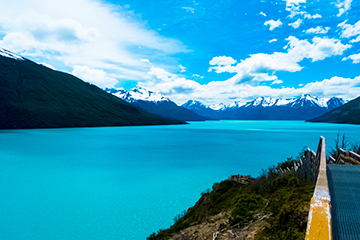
pixel 156 103
pixel 303 107
pixel 265 108
pixel 302 101
pixel 137 94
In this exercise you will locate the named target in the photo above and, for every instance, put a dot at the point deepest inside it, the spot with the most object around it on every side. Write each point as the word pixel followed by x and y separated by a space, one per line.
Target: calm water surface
pixel 127 182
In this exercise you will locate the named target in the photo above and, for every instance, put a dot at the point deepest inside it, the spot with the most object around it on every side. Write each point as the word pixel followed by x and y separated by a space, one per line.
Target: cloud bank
pixel 258 68
pixel 84 33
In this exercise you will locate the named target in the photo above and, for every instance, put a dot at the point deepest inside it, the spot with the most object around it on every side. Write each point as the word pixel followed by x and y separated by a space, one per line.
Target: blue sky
pixel 212 51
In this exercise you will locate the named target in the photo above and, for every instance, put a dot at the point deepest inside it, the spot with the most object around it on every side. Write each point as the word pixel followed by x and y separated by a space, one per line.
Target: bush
pixel 244 209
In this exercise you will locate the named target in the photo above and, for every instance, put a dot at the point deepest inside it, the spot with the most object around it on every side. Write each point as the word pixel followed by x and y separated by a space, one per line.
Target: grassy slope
pixel 284 198
pixel 33 96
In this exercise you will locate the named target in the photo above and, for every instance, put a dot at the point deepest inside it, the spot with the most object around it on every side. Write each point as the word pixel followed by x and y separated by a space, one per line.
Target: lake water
pixel 127 182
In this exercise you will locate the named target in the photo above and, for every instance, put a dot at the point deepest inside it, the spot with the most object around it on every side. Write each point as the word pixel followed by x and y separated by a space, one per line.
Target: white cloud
pixel 189 9
pixel 349 30
pixel 95 76
pixel 317 30
pixel 263 14
pixel 89 33
pixel 346 88
pixel 294 1
pixel 273 24
pixel 343 6
pixel 296 24
pixel 145 60
pixel 296 9
pixel 183 69
pixel 356 39
pixel 320 49
pixel 309 16
pixel 297 50
pixel 222 62
pixel 161 74
pixel 273 40
pixel 276 82
pixel 354 57
pixel 197 76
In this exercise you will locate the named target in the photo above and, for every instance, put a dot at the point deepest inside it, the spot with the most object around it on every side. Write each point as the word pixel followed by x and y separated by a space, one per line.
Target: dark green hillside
pixel 34 96
pixel 348 113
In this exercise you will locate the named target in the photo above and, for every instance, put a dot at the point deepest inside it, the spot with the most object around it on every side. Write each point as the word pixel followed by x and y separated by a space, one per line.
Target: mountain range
pixel 35 96
pixel 303 107
pixel 156 103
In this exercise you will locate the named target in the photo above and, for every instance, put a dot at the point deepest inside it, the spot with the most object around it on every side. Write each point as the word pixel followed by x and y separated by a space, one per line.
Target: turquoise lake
pixel 127 182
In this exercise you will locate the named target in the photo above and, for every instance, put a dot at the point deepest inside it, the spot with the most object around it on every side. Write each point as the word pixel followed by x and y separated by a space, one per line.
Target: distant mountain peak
pixel 155 103
pixel 262 101
pixel 219 106
pixel 137 94
pixel 193 104
pixel 8 54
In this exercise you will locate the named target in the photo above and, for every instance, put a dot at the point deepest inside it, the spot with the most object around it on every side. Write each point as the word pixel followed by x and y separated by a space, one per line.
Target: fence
pixel 307 168
pixel 345 157
pixel 312 168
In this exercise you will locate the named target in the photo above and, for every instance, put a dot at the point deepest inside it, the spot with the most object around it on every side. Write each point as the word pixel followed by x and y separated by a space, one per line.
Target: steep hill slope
pixel 348 113
pixel 34 96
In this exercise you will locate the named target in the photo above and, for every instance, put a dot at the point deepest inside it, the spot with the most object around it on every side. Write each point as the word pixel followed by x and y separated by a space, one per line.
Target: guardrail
pixel 319 219
pixel 307 168
pixel 345 157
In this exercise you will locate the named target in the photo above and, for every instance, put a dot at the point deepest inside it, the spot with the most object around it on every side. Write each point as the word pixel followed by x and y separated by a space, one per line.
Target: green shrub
pixel 245 209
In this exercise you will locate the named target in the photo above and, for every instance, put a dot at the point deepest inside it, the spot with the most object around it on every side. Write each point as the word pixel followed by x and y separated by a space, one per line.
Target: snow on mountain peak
pixel 264 102
pixel 8 54
pixel 322 102
pixel 137 94
pixel 219 106
pixel 146 95
pixel 236 104
pixel 194 104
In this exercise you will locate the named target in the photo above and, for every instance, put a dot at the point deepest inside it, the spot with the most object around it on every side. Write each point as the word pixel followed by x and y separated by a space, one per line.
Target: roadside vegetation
pixel 279 199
